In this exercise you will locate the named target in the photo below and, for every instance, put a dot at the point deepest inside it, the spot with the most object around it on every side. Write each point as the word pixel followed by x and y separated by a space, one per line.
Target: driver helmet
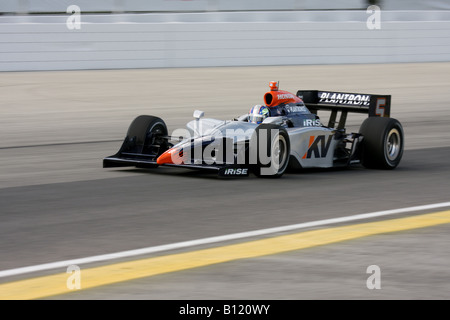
pixel 258 113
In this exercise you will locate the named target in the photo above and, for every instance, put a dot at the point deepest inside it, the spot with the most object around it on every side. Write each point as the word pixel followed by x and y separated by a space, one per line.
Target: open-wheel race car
pixel 284 132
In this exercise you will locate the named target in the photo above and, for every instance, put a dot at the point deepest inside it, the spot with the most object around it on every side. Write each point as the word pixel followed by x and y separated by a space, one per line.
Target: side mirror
pixel 198 114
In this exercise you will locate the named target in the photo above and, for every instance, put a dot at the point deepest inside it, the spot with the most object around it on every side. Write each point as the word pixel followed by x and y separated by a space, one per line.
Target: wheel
pixel 146 135
pixel 156 138
pixel 269 151
pixel 383 143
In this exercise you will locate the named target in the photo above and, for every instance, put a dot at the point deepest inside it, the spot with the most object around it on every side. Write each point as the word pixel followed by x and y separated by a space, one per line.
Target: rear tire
pixel 383 143
pixel 274 160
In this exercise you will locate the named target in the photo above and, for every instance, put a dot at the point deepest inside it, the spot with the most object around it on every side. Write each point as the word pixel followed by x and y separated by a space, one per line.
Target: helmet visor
pixel 256 118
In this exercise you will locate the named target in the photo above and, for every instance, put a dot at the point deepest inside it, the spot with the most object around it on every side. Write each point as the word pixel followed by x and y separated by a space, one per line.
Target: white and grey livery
pixel 291 136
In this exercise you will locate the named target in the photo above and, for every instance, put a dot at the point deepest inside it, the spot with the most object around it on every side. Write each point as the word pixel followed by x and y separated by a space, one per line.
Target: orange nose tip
pixel 166 157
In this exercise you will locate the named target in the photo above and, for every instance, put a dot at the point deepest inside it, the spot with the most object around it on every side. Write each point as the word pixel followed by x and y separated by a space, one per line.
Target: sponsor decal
pixel 344 98
pixel 313 149
pixel 292 109
pixel 311 123
pixel 234 172
pixel 283 96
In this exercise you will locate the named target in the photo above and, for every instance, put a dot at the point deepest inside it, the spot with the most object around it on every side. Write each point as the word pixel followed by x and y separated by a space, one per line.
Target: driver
pixel 258 113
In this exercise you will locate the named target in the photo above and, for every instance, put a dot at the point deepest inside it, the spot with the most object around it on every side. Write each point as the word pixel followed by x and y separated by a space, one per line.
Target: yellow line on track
pixel 51 285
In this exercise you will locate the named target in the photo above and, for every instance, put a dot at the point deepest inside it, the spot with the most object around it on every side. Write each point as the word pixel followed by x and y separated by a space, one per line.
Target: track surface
pixel 58 203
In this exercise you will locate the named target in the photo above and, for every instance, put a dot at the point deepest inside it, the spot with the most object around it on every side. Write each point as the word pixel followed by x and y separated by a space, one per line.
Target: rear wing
pixel 373 105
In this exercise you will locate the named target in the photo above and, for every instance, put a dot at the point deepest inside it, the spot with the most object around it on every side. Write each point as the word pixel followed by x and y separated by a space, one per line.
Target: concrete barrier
pixel 221 39
pixel 145 6
pixel 120 6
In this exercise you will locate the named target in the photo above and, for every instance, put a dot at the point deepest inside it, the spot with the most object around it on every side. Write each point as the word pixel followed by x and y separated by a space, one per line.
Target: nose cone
pixel 166 157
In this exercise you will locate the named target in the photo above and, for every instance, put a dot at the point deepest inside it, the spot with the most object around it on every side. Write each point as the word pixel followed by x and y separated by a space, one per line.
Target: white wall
pixel 59 6
pixel 220 39
pixel 43 6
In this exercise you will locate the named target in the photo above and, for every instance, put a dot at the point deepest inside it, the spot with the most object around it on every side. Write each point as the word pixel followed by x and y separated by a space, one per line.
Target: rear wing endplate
pixel 373 105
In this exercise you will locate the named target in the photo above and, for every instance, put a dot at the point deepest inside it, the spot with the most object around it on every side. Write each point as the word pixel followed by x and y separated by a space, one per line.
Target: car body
pixel 293 135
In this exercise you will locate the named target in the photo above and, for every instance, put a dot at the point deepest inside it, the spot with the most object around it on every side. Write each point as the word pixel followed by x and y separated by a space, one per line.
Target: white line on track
pixel 234 236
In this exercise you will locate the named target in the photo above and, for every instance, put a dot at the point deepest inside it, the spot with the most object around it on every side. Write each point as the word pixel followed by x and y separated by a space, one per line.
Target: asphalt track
pixel 57 203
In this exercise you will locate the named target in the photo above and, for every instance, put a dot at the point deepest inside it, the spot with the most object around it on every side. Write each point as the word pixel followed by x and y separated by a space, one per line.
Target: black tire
pixel 383 143
pixel 146 135
pixel 273 161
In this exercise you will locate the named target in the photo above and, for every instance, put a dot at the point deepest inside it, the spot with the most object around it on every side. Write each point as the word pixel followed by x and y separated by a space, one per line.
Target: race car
pixel 285 132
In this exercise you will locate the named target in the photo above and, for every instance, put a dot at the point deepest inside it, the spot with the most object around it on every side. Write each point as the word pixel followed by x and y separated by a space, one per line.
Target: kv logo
pixel 313 147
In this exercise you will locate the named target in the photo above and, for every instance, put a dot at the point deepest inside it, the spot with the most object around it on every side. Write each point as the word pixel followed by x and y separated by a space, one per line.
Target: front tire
pixel 383 143
pixel 147 135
